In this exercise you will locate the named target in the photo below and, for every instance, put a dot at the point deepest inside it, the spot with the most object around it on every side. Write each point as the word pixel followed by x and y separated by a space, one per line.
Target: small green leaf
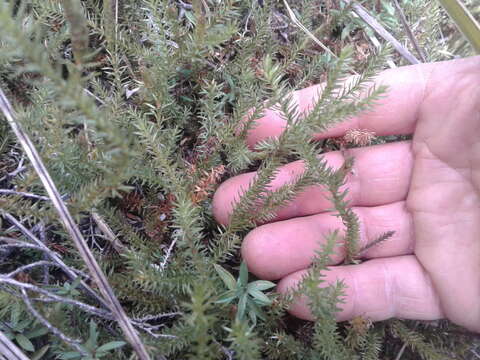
pixel 39 353
pixel 243 279
pixel 253 317
pixel 258 311
pixel 91 342
pixel 260 285
pixel 110 346
pixel 260 297
pixel 345 32
pixel 191 17
pixel 226 277
pixel 226 297
pixel 242 306
pixel 23 324
pixel 14 317
pixel 70 355
pixel 75 283
pixel 24 343
pixel 36 332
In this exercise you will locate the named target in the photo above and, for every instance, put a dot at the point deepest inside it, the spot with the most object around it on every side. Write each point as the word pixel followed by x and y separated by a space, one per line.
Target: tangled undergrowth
pixel 137 109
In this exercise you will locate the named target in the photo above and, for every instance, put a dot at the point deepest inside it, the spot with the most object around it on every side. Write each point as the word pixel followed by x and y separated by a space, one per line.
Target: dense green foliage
pixel 138 109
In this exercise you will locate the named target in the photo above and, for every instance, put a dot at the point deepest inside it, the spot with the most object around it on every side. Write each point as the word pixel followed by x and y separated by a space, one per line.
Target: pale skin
pixel 427 190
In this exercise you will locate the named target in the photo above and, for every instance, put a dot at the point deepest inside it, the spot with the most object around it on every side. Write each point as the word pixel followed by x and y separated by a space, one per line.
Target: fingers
pixel 378 289
pixel 381 175
pixel 275 250
pixel 394 114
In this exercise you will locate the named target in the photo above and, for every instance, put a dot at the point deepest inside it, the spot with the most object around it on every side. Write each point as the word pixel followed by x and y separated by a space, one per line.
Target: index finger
pixel 394 114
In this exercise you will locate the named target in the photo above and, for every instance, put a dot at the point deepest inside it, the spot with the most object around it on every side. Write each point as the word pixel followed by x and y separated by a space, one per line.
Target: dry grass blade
pixel 464 21
pixel 409 31
pixel 72 342
pixel 69 224
pixel 375 25
pixel 20 193
pixel 305 30
pixel 9 350
pixel 55 258
pixel 400 353
pixel 103 226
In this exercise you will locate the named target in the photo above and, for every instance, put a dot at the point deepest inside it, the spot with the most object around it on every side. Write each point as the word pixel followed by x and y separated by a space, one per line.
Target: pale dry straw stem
pixel 88 92
pixel 9 350
pixel 375 25
pixel 400 353
pixel 306 31
pixel 69 224
pixel 72 342
pixel 107 231
pixel 30 266
pixel 24 194
pixel 167 255
pixel 54 256
pixel 464 20
pixel 378 46
pixel 48 297
pixel 17 244
pixel 409 31
pixel 116 20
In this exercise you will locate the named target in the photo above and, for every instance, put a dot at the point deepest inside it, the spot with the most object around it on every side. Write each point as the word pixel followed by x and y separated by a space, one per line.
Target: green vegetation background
pixel 136 109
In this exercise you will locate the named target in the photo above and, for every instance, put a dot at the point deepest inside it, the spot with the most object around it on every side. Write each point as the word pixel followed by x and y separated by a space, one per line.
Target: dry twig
pixel 24 194
pixel 375 25
pixel 54 256
pixel 109 234
pixel 30 266
pixel 400 353
pixel 167 254
pixel 72 342
pixel 72 228
pixel 9 350
pixel 409 32
pixel 48 296
pixel 43 239
pixel 6 279
pixel 306 31
pixel 12 243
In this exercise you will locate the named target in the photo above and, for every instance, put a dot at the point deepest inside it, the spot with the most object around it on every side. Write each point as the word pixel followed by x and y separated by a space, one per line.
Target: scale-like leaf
pixel 39 353
pixel 226 297
pixel 260 285
pixel 243 278
pixel 110 346
pixel 36 332
pixel 23 341
pixel 260 297
pixel 226 277
pixel 242 306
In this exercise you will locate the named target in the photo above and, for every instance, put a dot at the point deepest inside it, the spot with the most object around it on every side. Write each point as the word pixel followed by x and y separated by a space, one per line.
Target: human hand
pixel 427 190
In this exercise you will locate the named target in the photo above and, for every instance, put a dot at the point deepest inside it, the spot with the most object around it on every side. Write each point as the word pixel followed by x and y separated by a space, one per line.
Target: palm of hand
pixel 428 190
pixel 444 196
